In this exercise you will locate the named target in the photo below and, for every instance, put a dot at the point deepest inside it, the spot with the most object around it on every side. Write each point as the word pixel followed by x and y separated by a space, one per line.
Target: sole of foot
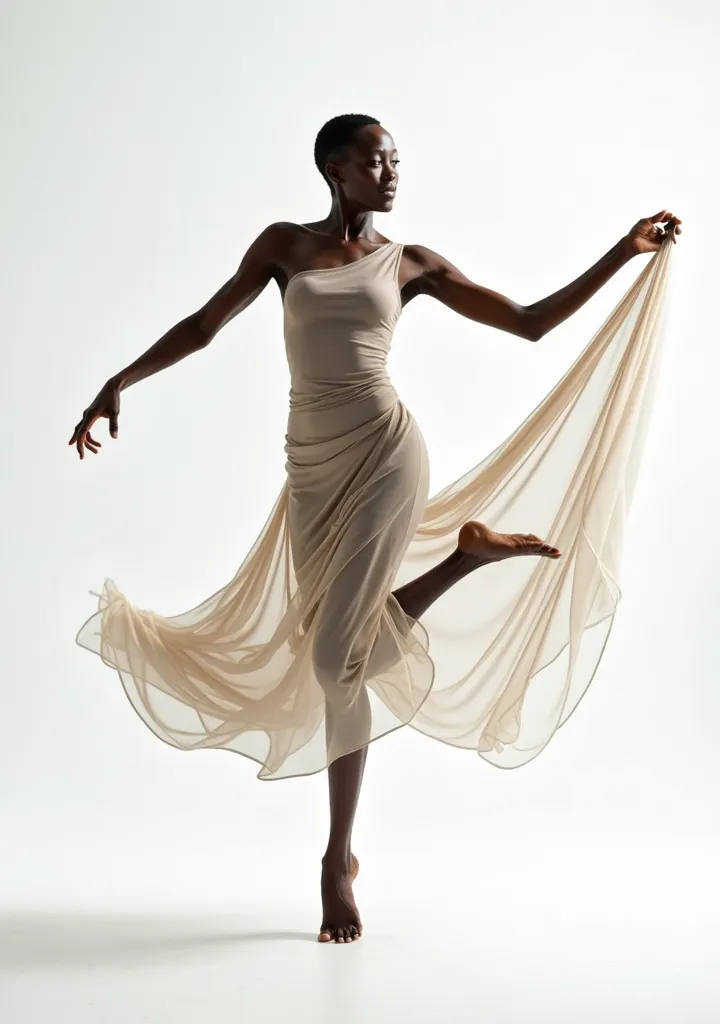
pixel 486 545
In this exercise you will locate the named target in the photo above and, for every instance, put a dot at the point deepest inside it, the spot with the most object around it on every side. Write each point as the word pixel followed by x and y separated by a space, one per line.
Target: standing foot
pixel 341 919
pixel 483 544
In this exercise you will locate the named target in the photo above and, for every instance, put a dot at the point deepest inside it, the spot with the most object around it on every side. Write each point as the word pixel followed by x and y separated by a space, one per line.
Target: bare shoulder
pixel 285 246
pixel 273 241
pixel 288 231
pixel 423 269
pixel 285 230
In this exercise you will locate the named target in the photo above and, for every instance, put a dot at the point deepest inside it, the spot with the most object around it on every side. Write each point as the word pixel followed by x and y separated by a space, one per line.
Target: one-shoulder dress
pixel 305 654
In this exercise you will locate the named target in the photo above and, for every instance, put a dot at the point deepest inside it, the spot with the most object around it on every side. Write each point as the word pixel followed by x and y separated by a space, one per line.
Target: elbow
pixel 530 327
pixel 203 328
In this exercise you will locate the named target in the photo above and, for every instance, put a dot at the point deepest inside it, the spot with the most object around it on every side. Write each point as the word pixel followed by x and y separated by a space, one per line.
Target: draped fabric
pixel 305 654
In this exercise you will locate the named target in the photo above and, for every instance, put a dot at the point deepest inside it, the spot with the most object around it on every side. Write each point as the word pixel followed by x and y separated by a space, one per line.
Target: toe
pixel 324 935
pixel 541 547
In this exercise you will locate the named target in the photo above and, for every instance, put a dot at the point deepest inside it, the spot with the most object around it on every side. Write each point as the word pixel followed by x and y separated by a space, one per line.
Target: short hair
pixel 335 135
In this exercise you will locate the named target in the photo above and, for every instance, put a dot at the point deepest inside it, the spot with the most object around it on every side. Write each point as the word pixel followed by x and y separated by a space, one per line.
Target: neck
pixel 348 222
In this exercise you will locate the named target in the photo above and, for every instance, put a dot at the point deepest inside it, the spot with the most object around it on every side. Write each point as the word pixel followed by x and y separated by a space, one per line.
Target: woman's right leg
pixel 341 919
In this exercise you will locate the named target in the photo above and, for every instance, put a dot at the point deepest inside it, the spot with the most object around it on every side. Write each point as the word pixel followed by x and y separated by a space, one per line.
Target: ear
pixel 334 174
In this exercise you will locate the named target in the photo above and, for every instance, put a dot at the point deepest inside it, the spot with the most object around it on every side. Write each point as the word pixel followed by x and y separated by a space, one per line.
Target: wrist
pixel 626 247
pixel 120 381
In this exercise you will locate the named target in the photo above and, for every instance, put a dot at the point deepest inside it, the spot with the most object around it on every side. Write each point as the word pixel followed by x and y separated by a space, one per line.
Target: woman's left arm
pixel 442 281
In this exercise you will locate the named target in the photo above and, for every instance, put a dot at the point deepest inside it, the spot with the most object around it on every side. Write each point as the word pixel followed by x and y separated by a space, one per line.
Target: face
pixel 368 174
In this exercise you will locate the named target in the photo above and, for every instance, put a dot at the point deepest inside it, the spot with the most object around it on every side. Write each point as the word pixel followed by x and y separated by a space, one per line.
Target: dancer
pixel 312 651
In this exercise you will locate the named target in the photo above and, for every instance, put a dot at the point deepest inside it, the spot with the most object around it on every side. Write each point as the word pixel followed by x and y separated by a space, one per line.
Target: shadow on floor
pixel 76 938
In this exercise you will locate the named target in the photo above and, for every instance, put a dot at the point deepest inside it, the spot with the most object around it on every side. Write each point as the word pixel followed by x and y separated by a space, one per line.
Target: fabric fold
pixel 305 654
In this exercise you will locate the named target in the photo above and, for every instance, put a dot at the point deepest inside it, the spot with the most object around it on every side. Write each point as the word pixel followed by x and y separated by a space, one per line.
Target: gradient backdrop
pixel 144 145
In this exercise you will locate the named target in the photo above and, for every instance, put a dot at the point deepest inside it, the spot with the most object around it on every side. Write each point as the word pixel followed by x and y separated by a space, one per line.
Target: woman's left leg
pixel 477 546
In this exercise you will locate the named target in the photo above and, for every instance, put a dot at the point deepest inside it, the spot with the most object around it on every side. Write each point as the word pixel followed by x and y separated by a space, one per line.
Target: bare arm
pixel 189 335
pixel 198 330
pixel 440 279
pixel 444 282
pixel 548 313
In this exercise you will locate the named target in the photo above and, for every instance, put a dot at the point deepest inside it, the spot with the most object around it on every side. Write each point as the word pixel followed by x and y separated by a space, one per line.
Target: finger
pixel 91 439
pixel 113 424
pixel 83 429
pixel 81 442
pixel 84 425
pixel 75 439
pixel 659 216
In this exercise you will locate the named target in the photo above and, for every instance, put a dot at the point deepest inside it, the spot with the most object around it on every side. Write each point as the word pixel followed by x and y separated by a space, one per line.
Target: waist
pixel 329 410
pixel 320 395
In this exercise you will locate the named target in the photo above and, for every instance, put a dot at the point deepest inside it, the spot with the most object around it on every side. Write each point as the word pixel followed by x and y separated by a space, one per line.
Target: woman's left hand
pixel 650 232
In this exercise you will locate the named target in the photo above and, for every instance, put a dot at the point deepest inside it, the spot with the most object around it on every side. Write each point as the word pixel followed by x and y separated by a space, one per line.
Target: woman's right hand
pixel 106 404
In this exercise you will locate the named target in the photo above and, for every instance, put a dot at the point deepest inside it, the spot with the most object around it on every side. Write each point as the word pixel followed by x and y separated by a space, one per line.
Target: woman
pixel 309 633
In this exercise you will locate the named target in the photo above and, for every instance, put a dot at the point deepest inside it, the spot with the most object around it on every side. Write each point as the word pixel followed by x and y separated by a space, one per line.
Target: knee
pixel 329 660
pixel 340 662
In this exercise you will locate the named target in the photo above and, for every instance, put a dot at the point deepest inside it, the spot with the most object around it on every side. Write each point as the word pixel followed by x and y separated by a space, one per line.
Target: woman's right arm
pixel 189 335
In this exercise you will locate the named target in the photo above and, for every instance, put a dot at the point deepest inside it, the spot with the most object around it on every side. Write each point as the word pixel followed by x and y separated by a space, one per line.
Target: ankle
pixel 337 860
pixel 463 563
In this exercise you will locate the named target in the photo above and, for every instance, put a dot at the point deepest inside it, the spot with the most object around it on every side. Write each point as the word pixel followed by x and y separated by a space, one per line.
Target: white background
pixel 144 145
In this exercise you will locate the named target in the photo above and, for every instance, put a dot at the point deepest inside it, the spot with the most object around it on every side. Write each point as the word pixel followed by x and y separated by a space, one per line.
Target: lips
pixel 387 191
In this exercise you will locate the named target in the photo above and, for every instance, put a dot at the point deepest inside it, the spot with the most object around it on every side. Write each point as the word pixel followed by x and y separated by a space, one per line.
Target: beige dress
pixel 305 655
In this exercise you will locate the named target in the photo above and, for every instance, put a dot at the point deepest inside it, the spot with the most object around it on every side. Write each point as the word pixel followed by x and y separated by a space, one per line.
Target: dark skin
pixel 360 178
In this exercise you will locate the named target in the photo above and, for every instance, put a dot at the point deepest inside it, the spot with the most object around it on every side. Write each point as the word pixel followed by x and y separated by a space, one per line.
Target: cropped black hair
pixel 335 135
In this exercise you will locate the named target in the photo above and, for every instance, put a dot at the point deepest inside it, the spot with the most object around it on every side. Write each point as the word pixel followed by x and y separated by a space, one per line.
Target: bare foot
pixel 477 540
pixel 341 920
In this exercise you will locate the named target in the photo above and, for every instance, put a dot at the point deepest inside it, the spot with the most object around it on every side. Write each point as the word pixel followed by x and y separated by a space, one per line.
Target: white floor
pixel 511 931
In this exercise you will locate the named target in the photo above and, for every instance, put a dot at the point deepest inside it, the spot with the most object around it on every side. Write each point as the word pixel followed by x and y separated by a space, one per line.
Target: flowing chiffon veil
pixel 498 664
